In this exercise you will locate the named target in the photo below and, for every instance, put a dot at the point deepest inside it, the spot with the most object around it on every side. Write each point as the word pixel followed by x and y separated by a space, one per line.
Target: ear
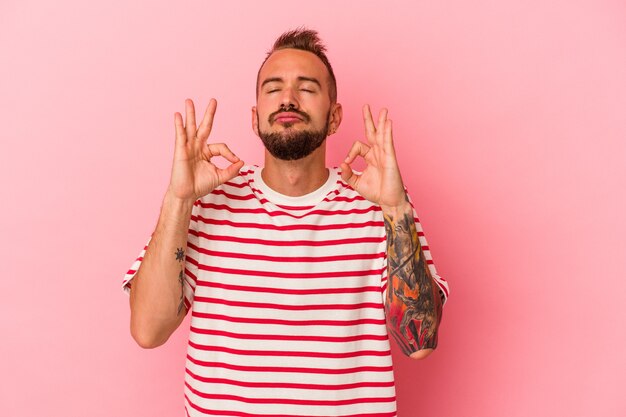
pixel 336 114
pixel 255 121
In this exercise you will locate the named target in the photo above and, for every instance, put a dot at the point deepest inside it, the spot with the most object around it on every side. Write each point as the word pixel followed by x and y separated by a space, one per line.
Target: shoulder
pixel 245 177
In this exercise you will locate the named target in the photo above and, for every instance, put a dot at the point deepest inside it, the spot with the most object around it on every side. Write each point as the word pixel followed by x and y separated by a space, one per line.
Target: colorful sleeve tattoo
pixel 413 305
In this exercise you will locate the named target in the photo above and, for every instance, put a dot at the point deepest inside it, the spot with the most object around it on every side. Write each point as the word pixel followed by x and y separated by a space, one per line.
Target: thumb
pixel 229 172
pixel 348 175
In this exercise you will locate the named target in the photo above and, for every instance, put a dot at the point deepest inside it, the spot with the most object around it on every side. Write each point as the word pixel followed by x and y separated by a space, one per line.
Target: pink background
pixel 510 123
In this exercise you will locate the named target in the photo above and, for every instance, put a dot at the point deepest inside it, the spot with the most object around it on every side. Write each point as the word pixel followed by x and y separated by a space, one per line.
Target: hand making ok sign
pixel 380 182
pixel 193 174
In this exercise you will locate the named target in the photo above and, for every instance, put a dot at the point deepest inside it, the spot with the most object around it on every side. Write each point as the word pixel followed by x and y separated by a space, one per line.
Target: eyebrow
pixel 280 80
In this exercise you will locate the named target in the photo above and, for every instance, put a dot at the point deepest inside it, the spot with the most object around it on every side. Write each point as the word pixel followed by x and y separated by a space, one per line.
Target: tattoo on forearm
pixel 180 257
pixel 413 305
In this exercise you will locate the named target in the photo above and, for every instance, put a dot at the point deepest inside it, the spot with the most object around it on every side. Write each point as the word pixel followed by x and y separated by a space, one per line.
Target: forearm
pixel 413 305
pixel 157 297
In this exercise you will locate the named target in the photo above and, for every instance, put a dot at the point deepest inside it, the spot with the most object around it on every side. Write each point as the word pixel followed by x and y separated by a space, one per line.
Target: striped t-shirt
pixel 286 297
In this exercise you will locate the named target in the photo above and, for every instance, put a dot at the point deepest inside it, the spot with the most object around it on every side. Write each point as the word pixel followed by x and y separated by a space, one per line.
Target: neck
pixel 296 178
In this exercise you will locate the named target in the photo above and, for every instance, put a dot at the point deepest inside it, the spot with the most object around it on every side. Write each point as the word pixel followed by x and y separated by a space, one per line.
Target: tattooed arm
pixel 413 305
pixel 157 294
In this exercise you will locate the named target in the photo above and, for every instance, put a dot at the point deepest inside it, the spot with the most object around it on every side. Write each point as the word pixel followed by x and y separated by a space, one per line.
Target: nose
pixel 289 99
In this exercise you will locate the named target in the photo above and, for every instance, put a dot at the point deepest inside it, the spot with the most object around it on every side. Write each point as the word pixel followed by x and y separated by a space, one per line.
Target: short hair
pixel 305 40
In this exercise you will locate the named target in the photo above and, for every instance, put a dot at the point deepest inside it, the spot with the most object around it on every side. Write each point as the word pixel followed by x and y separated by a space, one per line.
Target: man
pixel 294 271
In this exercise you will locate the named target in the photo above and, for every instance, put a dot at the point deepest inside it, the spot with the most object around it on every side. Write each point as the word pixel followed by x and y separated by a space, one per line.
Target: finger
pixel 388 139
pixel 190 119
pixel 370 130
pixel 229 172
pixel 220 149
pixel 358 149
pixel 181 137
pixel 348 175
pixel 380 129
pixel 204 130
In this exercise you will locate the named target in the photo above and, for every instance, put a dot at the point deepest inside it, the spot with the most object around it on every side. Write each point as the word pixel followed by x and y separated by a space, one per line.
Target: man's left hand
pixel 380 182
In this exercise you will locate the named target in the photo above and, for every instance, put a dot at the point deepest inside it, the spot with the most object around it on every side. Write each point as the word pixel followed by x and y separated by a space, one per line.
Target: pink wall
pixel 510 121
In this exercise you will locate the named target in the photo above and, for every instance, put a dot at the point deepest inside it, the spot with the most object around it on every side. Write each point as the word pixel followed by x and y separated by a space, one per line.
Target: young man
pixel 295 273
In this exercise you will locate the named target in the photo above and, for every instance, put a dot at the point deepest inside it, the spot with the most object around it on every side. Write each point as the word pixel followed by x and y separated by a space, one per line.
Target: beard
pixel 290 145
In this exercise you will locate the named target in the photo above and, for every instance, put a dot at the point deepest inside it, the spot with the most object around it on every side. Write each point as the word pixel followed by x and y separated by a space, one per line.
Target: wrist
pixel 171 201
pixel 398 211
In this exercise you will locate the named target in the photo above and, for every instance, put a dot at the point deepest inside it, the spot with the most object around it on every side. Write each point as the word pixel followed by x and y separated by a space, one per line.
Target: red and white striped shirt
pixel 286 295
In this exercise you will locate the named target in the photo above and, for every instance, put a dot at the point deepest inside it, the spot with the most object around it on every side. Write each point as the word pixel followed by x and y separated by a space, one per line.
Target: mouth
pixel 287 117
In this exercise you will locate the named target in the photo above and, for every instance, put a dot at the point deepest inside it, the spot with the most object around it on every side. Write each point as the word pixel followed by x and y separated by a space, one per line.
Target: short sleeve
pixel 191 261
pixel 444 289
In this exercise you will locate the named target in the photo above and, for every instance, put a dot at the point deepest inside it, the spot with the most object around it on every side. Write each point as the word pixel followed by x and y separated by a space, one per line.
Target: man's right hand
pixel 193 174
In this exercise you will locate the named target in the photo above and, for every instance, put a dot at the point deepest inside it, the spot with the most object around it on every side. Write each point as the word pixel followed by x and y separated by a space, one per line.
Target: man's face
pixel 293 110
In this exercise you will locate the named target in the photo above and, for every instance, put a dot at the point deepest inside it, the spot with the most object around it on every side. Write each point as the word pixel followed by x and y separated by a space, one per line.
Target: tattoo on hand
pixel 180 256
pixel 413 305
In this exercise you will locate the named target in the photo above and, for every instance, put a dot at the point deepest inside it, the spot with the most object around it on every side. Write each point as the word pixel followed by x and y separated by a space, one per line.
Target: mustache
pixel 302 114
